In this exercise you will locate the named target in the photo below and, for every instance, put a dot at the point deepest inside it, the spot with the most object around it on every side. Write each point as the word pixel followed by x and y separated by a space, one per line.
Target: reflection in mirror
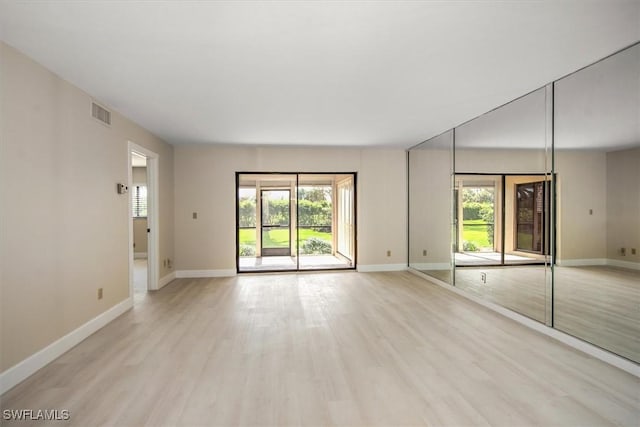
pixel 502 191
pixel 430 207
pixel 597 163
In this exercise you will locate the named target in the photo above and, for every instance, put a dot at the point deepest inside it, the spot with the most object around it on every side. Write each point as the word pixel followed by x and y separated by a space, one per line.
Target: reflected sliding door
pixel 530 206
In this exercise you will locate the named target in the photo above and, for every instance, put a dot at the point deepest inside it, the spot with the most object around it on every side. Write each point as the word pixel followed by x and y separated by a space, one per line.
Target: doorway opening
pixel 143 222
pixel 502 219
pixel 295 221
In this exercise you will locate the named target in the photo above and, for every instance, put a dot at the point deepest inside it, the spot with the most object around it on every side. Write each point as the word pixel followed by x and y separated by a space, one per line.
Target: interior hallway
pixel 324 349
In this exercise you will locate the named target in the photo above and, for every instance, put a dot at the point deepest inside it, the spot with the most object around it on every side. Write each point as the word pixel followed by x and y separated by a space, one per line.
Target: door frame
pixel 153 240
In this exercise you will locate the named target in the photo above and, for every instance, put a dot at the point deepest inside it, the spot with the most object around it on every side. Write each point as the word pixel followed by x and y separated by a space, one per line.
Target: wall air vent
pixel 100 113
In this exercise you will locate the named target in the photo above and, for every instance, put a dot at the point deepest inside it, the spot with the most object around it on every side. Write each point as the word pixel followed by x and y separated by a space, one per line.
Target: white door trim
pixel 153 250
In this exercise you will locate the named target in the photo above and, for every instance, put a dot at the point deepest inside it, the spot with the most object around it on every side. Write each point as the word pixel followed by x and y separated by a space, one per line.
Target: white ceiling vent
pixel 100 113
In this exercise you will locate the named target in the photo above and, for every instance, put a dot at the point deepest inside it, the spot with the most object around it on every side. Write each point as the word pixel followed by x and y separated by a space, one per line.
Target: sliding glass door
pixel 295 221
pixel 502 219
pixel 275 212
pixel 346 217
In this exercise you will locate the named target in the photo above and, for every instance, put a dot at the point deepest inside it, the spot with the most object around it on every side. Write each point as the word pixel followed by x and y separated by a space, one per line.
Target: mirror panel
pixel 544 205
pixel 430 207
pixel 503 204
pixel 597 163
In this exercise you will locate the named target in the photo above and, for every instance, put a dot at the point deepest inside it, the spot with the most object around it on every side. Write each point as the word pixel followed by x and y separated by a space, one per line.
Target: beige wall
pixel 581 187
pixel 205 183
pixel 430 208
pixel 623 204
pixel 53 255
pixel 500 161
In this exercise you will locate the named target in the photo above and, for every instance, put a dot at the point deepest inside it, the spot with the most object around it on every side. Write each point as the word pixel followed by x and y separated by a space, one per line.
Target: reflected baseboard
pixel 581 262
pixel 431 265
pixel 598 262
pixel 624 264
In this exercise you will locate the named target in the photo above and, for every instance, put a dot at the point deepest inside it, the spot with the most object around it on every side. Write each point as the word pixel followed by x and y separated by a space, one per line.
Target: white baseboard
pixel 164 281
pixel 426 276
pixel 590 349
pixel 192 274
pixel 598 262
pixel 18 373
pixel 431 265
pixel 139 255
pixel 581 262
pixel 624 264
pixel 370 268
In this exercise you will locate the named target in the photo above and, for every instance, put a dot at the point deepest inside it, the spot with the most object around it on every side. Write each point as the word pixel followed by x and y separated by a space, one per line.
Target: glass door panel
pixel 276 222
pixel 345 218
pixel 288 221
pixel 530 202
pixel 325 214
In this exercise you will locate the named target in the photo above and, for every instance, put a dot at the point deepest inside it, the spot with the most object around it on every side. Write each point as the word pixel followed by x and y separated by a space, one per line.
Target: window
pixel 139 198
pixel 530 206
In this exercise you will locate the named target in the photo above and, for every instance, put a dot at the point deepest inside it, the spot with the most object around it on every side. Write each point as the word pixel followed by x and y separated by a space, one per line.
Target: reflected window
pixel 530 217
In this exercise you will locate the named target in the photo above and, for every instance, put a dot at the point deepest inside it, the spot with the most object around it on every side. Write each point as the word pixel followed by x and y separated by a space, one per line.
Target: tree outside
pixel 478 219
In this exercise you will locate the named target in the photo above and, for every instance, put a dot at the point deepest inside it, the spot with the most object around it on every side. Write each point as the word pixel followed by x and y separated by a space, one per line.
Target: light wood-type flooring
pixel 598 304
pixel 324 349
pixel 601 305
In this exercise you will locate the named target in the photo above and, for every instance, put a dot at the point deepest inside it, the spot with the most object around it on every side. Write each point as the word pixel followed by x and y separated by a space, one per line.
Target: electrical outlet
pixel 633 251
pixel 168 262
pixel 483 277
pixel 388 253
pixel 623 251
pixel 195 215
pixel 424 252
pixel 99 293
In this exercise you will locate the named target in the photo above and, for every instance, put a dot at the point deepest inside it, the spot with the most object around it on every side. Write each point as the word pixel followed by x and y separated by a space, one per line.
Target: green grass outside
pixel 279 238
pixel 475 231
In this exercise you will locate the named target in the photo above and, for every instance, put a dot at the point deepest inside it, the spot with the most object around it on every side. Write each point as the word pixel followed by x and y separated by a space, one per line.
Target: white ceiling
pixel 313 72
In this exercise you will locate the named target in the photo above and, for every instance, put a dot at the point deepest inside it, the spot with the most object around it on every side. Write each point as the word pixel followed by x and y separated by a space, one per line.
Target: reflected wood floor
pixel 324 349
pixel 522 289
pixel 599 304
